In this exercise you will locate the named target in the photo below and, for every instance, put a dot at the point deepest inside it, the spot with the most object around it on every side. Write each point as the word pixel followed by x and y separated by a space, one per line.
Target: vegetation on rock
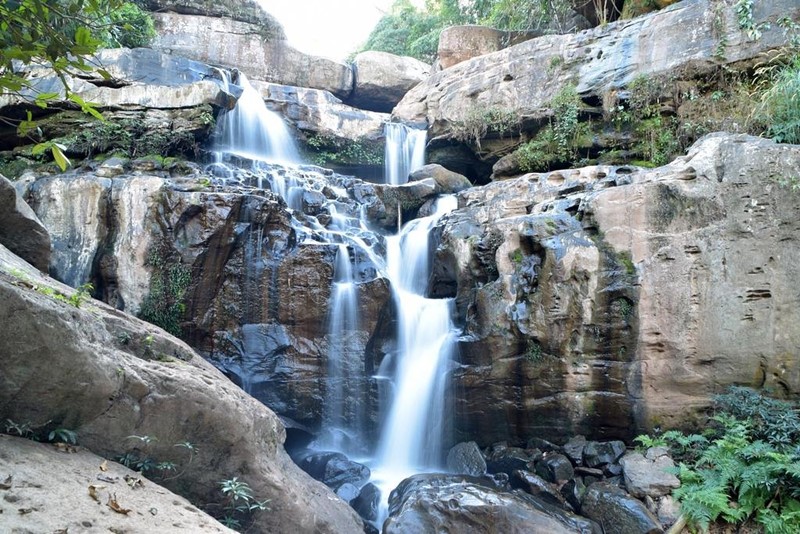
pixel 325 150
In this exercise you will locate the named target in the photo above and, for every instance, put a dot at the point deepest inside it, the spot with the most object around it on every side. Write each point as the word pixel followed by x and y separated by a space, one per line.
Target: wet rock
pixel 555 468
pixel 432 503
pixel 367 502
pixel 612 470
pixel 617 512
pixel 382 79
pixel 649 476
pixel 313 201
pixel 543 445
pixel 509 459
pixel 573 491
pixel 597 454
pixel 466 458
pixel 20 230
pixel 333 468
pixel 347 492
pixel 447 182
pixel 538 487
pixel 589 471
pixel 573 449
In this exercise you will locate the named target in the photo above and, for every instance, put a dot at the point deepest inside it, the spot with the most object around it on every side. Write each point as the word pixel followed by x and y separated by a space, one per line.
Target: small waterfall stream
pixel 404 153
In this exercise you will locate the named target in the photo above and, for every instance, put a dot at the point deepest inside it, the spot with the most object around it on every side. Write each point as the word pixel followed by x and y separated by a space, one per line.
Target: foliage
pixel 327 149
pixel 779 107
pixel 140 458
pixel 163 306
pixel 131 27
pixel 63 435
pixel 78 297
pixel 239 503
pixel 747 467
pixel 40 433
pixel 559 140
pixel 62 34
pixel 478 121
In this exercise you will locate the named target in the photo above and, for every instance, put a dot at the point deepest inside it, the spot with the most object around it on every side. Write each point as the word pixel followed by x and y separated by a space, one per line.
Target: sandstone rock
pixel 145 382
pixel 382 79
pixel 20 230
pixel 259 51
pixel 447 182
pixel 466 458
pixel 617 512
pixel 243 10
pixel 432 503
pixel 646 477
pixel 53 488
pixel 600 59
pixel 389 205
pixel 549 300
pixel 669 511
pixel 538 487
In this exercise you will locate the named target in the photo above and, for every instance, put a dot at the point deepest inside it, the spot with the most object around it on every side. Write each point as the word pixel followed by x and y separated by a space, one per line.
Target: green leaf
pixel 39 148
pixel 61 160
pixel 83 36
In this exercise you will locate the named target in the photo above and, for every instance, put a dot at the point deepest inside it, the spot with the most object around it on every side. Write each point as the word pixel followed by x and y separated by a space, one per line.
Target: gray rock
pixel 617 512
pixel 555 468
pixel 646 477
pixel 382 79
pixel 146 382
pixel 436 503
pixel 367 502
pixel 538 487
pixel 466 458
pixel 21 231
pixel 447 182
pixel 597 454
pixel 509 459
pixel 574 449
pixel 573 491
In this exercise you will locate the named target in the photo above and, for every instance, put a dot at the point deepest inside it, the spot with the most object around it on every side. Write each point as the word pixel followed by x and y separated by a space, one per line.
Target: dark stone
pixel 555 468
pixel 537 486
pixel 313 202
pixel 466 458
pixel 508 459
pixel 367 502
pixel 543 445
pixel 573 449
pixel 589 471
pixel 334 469
pixel 596 453
pixel 617 512
pixel 612 470
pixel 500 480
pixel 573 491
pixel 21 232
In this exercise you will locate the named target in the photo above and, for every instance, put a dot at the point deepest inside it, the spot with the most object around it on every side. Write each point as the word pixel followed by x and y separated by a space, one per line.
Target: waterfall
pixel 252 131
pixel 343 422
pixel 412 438
pixel 404 153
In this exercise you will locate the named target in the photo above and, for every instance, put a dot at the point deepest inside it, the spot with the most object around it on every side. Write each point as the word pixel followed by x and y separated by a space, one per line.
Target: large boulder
pixel 82 365
pixel 54 490
pixel 446 503
pixel 382 79
pixel 650 475
pixel 466 459
pixel 447 181
pixel 571 286
pixel 260 51
pixel 523 79
pixel 617 512
pixel 20 230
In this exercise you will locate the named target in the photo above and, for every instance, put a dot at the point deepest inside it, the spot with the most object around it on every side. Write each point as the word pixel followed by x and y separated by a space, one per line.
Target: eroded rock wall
pixel 611 300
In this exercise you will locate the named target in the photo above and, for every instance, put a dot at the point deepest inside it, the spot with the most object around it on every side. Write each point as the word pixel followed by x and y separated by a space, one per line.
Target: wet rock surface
pixel 466 458
pixel 617 512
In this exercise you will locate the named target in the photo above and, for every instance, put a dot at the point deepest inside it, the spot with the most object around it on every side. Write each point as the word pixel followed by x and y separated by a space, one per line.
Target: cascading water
pixel 412 438
pixel 404 153
pixel 253 131
pixel 342 410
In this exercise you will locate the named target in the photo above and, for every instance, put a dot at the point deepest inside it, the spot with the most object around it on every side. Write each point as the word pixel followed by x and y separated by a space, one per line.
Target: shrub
pixel 477 121
pixel 780 104
pixel 747 467
pixel 132 27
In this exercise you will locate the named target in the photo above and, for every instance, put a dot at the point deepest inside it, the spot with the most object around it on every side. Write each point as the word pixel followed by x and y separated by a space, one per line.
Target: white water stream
pixel 404 152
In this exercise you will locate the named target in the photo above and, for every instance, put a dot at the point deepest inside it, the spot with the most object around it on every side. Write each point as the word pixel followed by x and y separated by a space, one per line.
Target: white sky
pixel 330 28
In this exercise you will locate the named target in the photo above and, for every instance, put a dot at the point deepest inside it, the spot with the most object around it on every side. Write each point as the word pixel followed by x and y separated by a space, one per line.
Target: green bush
pixel 746 466
pixel 132 27
pixel 780 104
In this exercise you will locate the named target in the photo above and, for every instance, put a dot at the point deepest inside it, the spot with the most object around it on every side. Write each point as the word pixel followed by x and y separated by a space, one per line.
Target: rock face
pixel 604 297
pixel 382 79
pixel 107 376
pixel 260 51
pixel 64 502
pixel 242 10
pixel 617 512
pixel 524 78
pixel 223 267
pixel 20 230
pixel 649 475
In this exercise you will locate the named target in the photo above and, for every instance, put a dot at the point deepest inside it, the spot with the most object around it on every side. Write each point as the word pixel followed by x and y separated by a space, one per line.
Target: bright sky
pixel 330 28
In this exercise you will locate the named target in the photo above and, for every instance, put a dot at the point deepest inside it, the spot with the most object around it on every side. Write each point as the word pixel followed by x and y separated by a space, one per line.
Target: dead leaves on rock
pixel 6 484
pixel 134 482
pixel 104 466
pixel 114 505
pixel 93 491
pixel 65 447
